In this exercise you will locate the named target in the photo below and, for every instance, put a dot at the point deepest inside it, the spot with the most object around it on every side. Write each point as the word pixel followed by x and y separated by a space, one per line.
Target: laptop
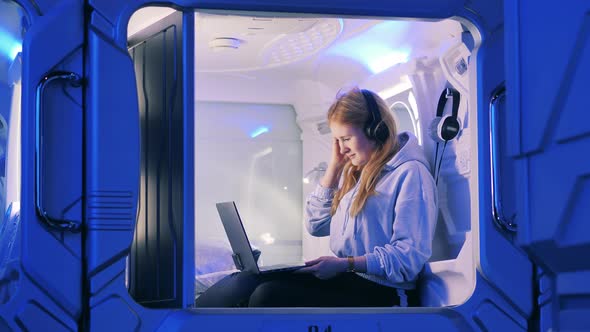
pixel 242 251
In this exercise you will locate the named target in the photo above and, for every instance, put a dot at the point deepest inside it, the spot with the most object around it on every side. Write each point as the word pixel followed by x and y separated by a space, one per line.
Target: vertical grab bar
pixel 497 210
pixel 59 224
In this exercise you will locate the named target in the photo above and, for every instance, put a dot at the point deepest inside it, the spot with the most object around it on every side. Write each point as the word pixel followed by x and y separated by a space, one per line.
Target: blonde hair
pixel 350 108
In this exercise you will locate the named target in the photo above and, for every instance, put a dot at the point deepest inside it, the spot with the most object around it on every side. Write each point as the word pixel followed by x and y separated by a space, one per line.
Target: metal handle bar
pixel 57 223
pixel 507 224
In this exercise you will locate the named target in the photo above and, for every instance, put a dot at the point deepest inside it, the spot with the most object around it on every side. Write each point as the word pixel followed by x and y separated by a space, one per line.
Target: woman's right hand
pixel 337 162
pixel 325 267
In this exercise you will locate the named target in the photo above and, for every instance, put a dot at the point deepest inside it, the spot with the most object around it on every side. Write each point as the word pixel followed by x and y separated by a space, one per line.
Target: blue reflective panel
pixel 12 28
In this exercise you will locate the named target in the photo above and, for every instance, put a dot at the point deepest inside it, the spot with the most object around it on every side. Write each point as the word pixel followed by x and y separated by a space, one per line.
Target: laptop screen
pixel 236 234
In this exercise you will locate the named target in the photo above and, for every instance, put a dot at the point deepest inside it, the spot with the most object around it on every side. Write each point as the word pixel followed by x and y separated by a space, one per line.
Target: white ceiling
pixel 240 43
pixel 310 53
pixel 299 44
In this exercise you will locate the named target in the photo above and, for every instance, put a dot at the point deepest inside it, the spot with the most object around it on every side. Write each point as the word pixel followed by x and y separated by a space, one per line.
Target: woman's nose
pixel 343 148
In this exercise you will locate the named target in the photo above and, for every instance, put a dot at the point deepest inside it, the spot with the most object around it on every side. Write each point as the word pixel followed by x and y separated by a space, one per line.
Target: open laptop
pixel 243 256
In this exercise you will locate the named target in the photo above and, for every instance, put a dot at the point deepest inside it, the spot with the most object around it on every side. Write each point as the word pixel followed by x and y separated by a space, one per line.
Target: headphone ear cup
pixel 370 133
pixel 434 129
pixel 449 128
pixel 381 132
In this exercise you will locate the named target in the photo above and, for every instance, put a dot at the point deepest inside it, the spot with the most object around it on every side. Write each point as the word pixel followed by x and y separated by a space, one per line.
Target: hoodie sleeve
pixel 414 222
pixel 317 211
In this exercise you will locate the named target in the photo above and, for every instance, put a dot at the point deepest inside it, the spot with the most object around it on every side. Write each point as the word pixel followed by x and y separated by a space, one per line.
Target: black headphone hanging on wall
pixel 444 128
pixel 375 129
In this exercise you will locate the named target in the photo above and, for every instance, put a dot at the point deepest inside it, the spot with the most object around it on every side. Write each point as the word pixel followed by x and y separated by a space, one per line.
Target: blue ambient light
pixel 259 131
pixel 9 46
pixel 374 47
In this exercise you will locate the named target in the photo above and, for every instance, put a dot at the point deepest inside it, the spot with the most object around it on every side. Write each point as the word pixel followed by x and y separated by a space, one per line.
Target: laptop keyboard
pixel 281 267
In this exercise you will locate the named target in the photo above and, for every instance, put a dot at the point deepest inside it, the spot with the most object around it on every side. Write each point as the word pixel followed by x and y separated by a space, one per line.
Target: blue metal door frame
pixel 499 301
pixel 70 281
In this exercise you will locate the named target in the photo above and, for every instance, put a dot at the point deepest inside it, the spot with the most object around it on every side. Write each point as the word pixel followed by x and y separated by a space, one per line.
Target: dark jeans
pixel 287 289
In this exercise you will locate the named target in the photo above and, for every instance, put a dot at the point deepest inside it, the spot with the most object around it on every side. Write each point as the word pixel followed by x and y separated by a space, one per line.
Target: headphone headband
pixel 372 106
pixel 442 100
pixel 445 128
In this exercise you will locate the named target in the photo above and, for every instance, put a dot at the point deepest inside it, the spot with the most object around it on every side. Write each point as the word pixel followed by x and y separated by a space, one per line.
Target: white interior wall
pixel 261 173
pixel 446 281
pixel 449 277
pixel 243 88
pixel 312 99
pixel 316 149
pixel 13 146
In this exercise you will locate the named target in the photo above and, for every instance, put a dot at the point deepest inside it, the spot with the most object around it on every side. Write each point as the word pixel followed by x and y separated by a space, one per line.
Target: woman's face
pixel 353 143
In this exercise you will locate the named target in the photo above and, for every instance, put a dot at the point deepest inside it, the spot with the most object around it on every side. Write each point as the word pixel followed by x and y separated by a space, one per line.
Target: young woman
pixel 377 202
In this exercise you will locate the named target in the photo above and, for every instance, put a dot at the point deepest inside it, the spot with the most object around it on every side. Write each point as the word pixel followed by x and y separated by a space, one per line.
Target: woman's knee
pixel 267 294
pixel 232 291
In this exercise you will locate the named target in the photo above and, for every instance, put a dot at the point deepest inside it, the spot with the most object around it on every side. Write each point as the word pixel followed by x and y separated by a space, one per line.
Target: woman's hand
pixel 325 267
pixel 338 159
pixel 337 162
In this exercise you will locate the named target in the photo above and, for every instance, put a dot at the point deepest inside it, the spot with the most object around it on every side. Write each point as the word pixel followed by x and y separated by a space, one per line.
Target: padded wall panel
pixel 34 296
pixel 34 317
pixel 490 317
pixel 549 78
pixel 575 102
pixel 502 262
pixel 156 255
pixel 112 177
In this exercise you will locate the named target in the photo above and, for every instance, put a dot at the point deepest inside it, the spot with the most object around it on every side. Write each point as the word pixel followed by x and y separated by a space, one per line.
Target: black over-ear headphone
pixel 445 128
pixel 375 129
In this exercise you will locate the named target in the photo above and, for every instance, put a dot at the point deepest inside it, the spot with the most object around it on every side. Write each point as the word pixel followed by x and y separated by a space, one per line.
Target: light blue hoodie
pixel 394 230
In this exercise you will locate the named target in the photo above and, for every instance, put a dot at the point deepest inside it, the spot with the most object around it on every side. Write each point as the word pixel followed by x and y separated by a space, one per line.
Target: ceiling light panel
pixel 292 47
pixel 229 43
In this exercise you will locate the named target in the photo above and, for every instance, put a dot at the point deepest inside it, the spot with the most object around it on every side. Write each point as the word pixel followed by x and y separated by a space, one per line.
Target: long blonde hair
pixel 350 108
